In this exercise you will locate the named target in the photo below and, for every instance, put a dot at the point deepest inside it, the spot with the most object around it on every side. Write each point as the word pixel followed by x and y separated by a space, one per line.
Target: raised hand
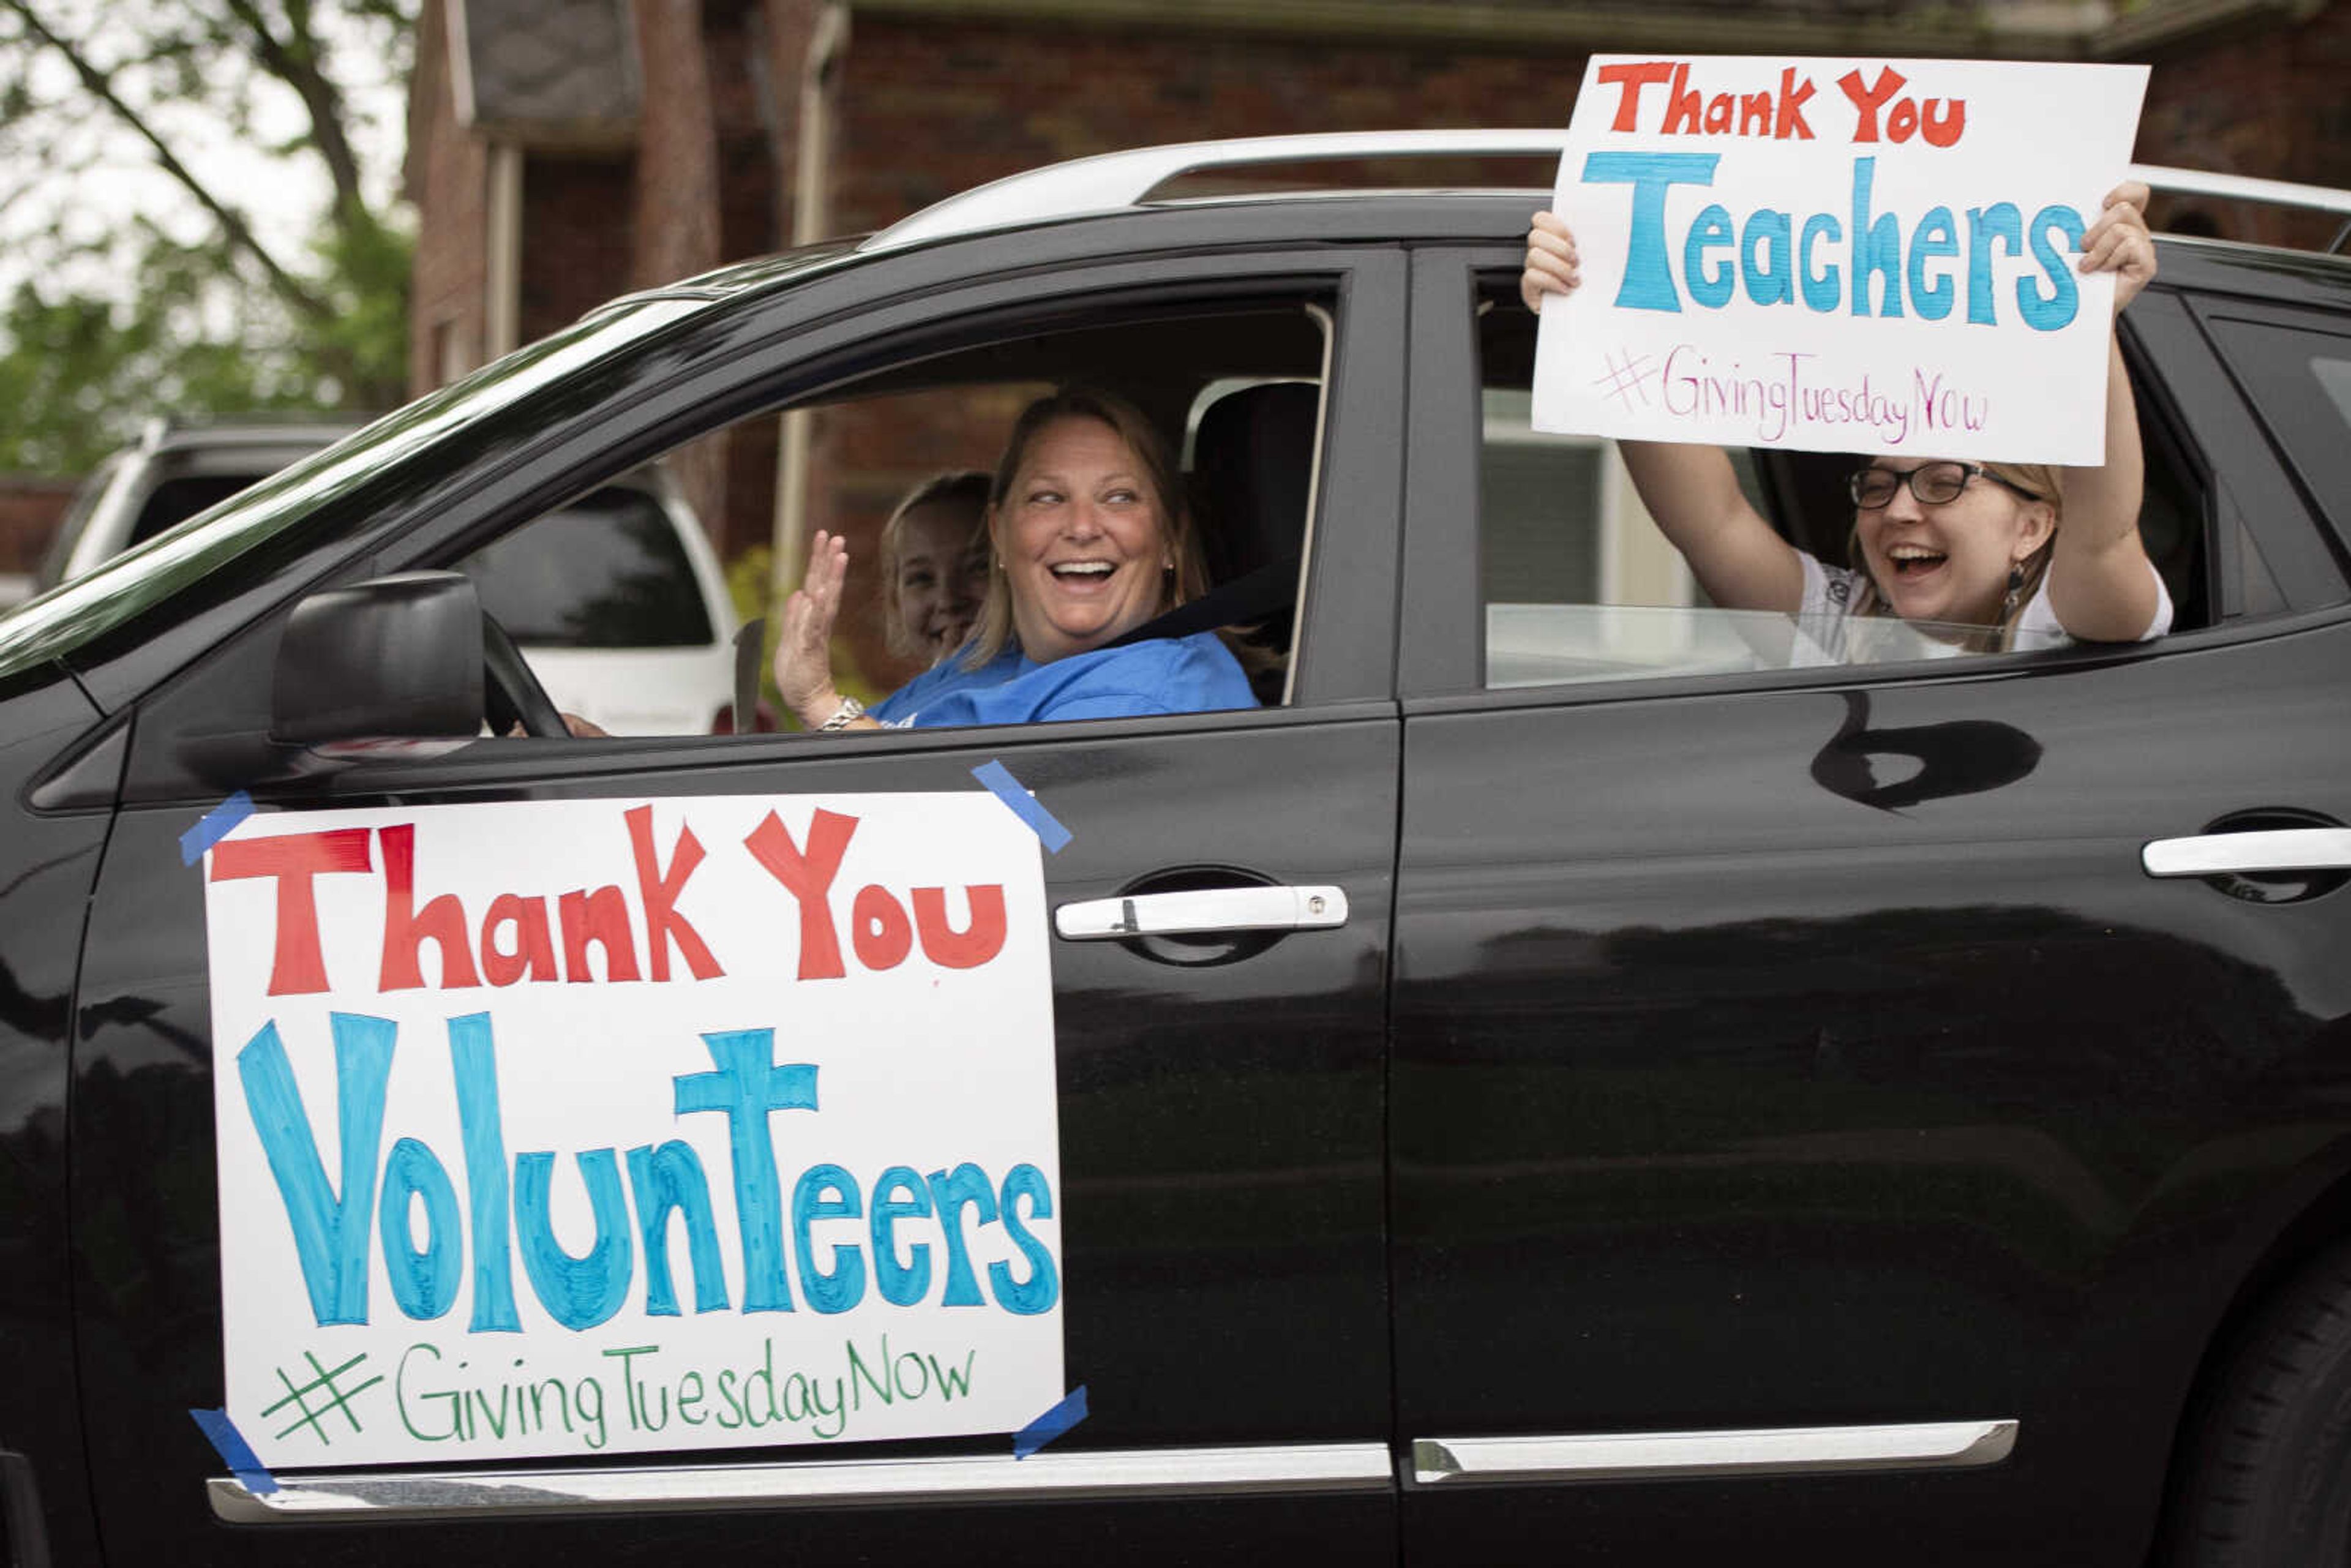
pixel 1551 265
pixel 2119 242
pixel 804 652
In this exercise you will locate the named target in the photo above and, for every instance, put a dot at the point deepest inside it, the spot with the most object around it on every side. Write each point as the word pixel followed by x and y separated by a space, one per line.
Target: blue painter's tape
pixel 217 824
pixel 1050 1425
pixel 1043 823
pixel 234 1452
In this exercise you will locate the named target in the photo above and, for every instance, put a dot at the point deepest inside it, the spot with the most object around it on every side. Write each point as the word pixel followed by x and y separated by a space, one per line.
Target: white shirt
pixel 1825 617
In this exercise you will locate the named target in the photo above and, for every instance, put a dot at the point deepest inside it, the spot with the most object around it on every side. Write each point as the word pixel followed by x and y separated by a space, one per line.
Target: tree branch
pixel 298 62
pixel 239 233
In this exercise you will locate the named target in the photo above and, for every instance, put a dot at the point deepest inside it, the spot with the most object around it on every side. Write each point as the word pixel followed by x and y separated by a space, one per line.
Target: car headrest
pixel 1252 458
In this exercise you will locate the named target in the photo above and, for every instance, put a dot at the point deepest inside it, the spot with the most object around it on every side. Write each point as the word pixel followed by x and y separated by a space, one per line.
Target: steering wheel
pixel 514 693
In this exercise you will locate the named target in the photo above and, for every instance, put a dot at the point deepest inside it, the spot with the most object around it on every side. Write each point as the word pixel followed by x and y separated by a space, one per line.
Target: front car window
pixel 1232 384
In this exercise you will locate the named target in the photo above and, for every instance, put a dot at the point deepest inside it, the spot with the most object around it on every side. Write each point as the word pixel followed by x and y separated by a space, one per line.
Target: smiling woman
pixel 1084 543
pixel 1957 543
pixel 1091 542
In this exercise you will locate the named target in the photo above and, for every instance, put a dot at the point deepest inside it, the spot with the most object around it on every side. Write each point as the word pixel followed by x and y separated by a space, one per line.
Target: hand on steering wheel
pixel 514 693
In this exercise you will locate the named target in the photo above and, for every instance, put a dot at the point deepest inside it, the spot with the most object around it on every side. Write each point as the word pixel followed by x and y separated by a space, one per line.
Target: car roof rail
pixel 2244 188
pixel 1113 181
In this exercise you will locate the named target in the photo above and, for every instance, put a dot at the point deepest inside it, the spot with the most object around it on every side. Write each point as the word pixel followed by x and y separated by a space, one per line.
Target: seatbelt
pixel 1252 597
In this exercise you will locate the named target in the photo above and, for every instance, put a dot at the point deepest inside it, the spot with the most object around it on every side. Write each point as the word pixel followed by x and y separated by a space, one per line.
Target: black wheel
pixel 2268 1484
pixel 514 694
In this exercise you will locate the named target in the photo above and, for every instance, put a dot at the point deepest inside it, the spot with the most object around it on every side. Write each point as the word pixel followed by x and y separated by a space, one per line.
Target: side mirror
pixel 397 656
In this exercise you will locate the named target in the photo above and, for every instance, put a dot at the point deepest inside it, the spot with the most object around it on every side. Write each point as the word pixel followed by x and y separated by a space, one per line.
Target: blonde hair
pixel 995 630
pixel 956 486
pixel 2037 481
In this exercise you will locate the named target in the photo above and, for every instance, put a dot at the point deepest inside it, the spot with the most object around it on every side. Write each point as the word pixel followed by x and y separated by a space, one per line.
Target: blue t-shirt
pixel 1160 674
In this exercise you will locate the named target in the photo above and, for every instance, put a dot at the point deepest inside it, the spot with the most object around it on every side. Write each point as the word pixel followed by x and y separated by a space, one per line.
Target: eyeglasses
pixel 1932 483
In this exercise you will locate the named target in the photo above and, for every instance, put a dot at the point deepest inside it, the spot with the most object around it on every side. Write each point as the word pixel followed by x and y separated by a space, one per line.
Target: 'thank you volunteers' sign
pixel 583 1127
pixel 1838 255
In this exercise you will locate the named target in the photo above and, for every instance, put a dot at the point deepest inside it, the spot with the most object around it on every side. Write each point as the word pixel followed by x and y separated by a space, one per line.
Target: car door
pixel 1220 1097
pixel 1812 1121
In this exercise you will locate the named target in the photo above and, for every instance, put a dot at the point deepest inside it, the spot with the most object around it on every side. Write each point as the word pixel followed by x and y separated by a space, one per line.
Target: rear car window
pixel 607 572
pixel 1578 583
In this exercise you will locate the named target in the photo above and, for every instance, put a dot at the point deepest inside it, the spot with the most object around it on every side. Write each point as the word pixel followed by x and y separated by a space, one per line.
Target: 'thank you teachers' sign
pixel 1838 255
pixel 577 1128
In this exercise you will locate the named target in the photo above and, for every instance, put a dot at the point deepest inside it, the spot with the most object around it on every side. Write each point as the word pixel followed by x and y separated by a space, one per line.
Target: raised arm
pixel 1737 556
pixel 2101 583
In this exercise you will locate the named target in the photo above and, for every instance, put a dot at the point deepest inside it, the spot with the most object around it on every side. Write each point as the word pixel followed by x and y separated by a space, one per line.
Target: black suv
pixel 1896 1113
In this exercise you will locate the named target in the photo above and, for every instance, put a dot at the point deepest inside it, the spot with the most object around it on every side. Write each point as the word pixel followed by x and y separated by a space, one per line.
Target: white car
pixel 616 600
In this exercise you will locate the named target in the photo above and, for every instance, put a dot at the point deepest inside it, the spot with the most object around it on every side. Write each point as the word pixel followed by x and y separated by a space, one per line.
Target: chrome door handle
pixel 1202 910
pixel 2276 849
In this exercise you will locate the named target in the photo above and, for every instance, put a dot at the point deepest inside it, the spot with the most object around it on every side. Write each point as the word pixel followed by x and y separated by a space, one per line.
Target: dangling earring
pixel 2016 588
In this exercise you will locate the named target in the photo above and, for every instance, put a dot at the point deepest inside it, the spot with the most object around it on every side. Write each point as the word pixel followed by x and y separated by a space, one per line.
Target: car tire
pixel 2268 1483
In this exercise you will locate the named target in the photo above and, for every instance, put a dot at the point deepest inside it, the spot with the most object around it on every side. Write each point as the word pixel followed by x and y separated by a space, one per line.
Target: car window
pixel 1577 582
pixel 607 572
pixel 2300 377
pixel 1231 387
pixel 830 438
pixel 2335 379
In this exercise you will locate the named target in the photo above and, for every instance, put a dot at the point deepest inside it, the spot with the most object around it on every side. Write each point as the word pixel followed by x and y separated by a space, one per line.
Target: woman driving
pixel 1091 540
pixel 1939 541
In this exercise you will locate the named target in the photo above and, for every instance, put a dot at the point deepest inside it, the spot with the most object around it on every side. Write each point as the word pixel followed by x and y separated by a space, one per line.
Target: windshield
pixel 66 617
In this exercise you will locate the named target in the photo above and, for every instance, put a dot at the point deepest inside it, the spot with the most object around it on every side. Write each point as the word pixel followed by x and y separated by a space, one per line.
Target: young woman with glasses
pixel 1934 540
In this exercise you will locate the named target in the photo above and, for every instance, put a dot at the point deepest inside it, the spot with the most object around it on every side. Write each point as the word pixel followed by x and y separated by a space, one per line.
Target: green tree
pixel 174 302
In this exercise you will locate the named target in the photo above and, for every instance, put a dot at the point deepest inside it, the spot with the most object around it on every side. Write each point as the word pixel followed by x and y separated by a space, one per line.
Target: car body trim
pixel 1126 1472
pixel 1787 1450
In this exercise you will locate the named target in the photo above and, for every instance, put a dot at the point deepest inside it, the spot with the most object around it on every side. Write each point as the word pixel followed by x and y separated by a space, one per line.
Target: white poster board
pixel 580 1128
pixel 1838 255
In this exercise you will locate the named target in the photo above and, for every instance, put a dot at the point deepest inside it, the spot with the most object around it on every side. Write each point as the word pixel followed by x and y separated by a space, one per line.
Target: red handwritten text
pixel 1683 110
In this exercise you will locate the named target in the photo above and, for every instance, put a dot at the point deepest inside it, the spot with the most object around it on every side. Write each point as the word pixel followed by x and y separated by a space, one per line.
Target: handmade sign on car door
pixel 1838 255
pixel 584 1127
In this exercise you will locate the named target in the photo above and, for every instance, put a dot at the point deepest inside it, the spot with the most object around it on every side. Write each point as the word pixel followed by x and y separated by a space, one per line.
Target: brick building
pixel 30 508
pixel 565 151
